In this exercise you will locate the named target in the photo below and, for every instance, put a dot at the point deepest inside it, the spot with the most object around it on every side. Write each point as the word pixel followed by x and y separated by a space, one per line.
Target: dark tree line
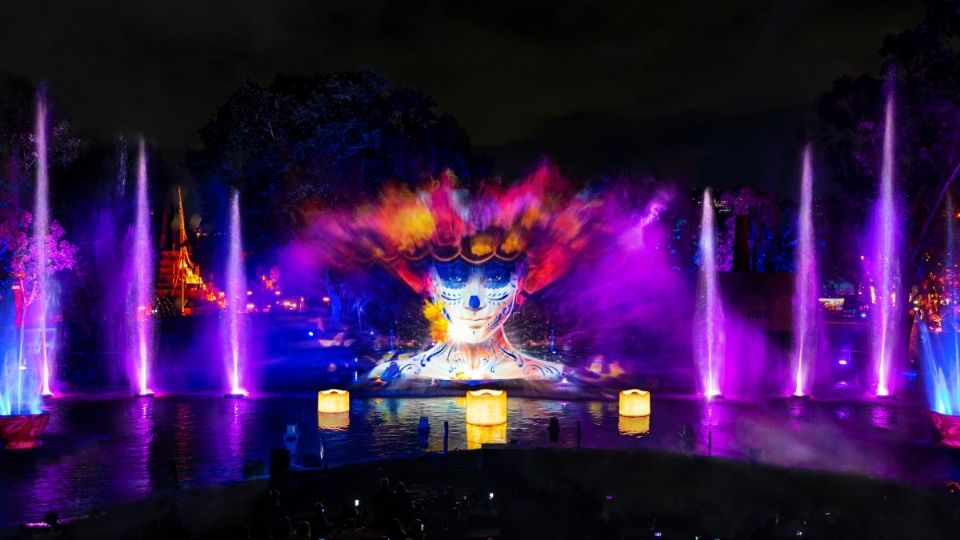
pixel 306 141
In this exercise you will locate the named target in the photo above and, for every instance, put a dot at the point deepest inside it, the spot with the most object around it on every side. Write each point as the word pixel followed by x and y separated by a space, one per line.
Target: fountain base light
pixel 949 428
pixel 144 394
pixel 236 394
pixel 20 432
pixel 800 396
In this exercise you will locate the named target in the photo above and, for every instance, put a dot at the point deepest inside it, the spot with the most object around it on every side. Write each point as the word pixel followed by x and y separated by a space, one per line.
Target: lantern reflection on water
pixel 486 407
pixel 634 425
pixel 333 421
pixel 634 403
pixel 333 401
pixel 478 436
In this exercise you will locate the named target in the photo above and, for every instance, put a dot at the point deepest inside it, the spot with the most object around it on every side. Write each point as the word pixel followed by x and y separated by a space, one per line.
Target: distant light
pixel 249 293
pixel 326 299
pixel 842 362
pixel 491 495
pixel 356 502
pixel 310 333
pixel 863 314
pixel 277 292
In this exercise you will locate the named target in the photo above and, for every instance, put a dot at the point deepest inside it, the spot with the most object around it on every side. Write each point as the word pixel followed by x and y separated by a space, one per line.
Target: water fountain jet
pixel 236 301
pixel 143 281
pixel 805 290
pixel 709 340
pixel 884 330
pixel 41 228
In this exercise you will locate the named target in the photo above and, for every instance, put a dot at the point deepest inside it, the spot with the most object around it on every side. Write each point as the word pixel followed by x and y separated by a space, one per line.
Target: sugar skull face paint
pixel 476 299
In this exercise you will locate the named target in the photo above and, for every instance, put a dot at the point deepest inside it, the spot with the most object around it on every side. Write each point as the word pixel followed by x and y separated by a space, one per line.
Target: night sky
pixel 593 83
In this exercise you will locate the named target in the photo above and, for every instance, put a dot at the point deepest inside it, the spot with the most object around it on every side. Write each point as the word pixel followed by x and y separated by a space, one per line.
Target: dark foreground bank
pixel 534 493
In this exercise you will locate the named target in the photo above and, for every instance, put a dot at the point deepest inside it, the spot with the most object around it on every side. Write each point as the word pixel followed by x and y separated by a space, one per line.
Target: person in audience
pixel 302 532
pixel 402 507
pixel 382 501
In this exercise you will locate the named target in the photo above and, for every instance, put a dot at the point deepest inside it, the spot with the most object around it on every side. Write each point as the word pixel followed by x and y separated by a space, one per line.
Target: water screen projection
pixel 474 257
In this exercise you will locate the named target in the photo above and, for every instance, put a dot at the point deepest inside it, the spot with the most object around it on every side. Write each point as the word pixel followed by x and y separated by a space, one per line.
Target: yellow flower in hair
pixel 513 243
pixel 481 245
pixel 433 312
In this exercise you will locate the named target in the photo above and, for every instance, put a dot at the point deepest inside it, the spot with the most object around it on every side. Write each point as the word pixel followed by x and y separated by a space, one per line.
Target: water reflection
pixel 103 452
pixel 333 421
pixel 477 436
pixel 882 416
pixel 634 425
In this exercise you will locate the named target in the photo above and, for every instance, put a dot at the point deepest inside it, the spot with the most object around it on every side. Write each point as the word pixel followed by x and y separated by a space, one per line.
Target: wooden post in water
pixel 446 435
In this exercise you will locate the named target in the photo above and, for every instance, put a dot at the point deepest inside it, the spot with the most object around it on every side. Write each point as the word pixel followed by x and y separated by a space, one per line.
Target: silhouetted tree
pixel 924 70
pixel 328 139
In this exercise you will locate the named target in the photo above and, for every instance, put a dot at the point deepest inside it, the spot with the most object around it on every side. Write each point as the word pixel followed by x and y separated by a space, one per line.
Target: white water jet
pixel 886 259
pixel 236 301
pixel 709 339
pixel 41 230
pixel 143 287
pixel 806 286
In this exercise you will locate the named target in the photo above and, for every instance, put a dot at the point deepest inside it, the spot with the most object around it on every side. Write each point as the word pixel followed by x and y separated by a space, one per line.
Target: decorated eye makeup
pixel 453 274
pixel 497 274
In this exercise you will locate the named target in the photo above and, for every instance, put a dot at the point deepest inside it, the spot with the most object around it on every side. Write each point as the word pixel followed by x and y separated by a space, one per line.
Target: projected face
pixel 477 299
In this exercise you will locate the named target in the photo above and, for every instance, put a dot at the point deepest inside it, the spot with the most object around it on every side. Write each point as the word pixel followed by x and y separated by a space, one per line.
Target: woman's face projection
pixel 477 298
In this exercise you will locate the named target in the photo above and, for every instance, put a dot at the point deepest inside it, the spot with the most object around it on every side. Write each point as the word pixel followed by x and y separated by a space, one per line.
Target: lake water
pixel 105 451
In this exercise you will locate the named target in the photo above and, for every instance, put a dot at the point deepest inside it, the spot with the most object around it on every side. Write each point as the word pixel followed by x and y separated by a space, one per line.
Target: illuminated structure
pixel 473 257
pixel 179 276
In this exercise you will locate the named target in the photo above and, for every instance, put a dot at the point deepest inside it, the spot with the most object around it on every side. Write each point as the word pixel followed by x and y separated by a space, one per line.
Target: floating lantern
pixel 634 403
pixel 486 407
pixel 634 425
pixel 477 436
pixel 333 421
pixel 333 401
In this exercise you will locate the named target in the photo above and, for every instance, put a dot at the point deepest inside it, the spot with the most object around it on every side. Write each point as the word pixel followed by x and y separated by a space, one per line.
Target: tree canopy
pixel 320 140
pixel 922 67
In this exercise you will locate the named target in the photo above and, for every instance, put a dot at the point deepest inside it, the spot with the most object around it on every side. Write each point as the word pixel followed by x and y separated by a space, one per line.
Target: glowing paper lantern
pixel 478 436
pixel 634 425
pixel 333 401
pixel 333 421
pixel 634 403
pixel 486 407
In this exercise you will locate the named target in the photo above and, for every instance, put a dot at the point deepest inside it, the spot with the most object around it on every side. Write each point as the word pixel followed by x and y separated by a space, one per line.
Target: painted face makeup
pixel 477 299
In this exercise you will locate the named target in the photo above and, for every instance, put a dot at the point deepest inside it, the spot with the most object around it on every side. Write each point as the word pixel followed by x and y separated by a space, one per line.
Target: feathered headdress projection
pixel 539 220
